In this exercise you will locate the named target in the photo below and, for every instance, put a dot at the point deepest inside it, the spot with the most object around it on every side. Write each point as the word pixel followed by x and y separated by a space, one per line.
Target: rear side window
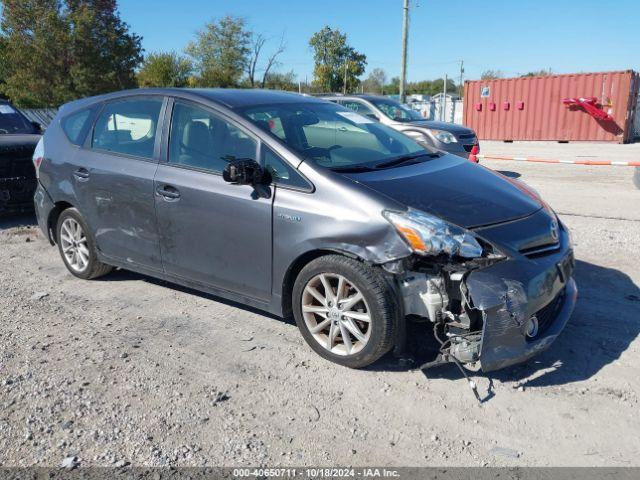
pixel 74 125
pixel 128 127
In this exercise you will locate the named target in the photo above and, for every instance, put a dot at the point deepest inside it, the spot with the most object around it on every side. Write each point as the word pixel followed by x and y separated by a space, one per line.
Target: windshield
pixel 396 111
pixel 11 122
pixel 335 137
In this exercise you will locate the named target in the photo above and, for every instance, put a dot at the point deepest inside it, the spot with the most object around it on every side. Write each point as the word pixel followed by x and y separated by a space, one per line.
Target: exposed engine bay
pixel 489 313
pixel 442 299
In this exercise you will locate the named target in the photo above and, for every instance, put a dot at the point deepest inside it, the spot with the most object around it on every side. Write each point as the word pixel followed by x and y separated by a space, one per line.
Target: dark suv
pixel 296 205
pixel 18 139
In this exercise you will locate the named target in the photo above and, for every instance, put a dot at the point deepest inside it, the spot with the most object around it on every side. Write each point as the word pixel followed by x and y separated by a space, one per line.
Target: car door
pixel 211 231
pixel 113 179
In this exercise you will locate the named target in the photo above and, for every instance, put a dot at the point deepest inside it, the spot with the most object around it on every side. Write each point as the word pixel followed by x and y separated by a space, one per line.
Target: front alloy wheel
pixel 345 309
pixel 336 314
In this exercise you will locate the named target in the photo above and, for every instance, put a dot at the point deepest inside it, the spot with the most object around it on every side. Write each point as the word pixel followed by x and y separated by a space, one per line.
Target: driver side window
pixel 201 139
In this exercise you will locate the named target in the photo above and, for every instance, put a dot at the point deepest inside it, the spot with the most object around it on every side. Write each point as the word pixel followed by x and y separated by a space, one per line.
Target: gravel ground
pixel 131 370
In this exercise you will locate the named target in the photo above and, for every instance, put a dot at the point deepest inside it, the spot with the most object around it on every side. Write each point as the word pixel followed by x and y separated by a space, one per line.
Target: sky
pixel 514 36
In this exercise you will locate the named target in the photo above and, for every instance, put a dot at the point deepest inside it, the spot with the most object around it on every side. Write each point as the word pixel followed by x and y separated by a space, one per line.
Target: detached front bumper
pixel 515 292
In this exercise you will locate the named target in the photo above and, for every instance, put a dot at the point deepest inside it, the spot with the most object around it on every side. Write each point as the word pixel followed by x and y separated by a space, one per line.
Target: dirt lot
pixel 130 369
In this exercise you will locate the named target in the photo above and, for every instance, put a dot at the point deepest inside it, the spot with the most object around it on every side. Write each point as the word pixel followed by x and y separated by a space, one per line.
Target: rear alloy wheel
pixel 73 243
pixel 345 310
pixel 77 247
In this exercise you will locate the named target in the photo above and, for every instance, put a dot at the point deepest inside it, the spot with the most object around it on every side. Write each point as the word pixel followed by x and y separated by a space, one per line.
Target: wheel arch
pixel 52 220
pixel 297 265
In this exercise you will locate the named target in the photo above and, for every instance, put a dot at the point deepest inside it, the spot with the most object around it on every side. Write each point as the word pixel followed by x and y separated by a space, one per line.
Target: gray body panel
pixel 216 233
pixel 117 197
pixel 241 244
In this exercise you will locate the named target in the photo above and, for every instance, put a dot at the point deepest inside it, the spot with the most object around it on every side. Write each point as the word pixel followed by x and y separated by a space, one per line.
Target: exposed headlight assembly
pixel 429 235
pixel 444 136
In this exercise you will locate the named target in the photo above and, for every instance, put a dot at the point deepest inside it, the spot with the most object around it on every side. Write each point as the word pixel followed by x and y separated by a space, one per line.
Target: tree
pixel 221 52
pixel 3 64
pixel 59 50
pixel 281 81
pixel 165 69
pixel 491 75
pixel 432 87
pixel 257 43
pixel 105 54
pixel 538 73
pixel 335 60
pixel 393 87
pixel 36 61
pixel 375 81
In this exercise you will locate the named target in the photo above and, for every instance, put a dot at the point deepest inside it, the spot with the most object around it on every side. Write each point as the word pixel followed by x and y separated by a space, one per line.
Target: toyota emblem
pixel 554 229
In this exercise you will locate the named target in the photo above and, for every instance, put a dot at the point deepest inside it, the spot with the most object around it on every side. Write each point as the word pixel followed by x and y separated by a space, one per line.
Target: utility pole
pixel 444 99
pixel 460 86
pixel 405 39
pixel 344 86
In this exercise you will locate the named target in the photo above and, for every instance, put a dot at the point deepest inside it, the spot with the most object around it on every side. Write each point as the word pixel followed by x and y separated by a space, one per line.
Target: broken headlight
pixel 430 235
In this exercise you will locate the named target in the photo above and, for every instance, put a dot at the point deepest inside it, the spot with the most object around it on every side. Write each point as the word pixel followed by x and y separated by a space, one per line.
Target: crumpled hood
pixel 454 189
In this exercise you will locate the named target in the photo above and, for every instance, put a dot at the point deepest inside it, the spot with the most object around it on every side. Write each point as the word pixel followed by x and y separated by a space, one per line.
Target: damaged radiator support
pixel 442 299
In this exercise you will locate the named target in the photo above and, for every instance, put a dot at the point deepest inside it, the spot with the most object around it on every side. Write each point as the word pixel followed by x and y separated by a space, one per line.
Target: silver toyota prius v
pixel 298 206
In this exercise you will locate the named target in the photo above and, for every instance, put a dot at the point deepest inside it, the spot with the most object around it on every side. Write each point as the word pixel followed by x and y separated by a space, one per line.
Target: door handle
pixel 342 129
pixel 168 192
pixel 81 174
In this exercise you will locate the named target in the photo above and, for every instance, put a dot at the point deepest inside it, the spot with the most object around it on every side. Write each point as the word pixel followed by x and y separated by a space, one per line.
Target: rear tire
pixel 346 310
pixel 77 246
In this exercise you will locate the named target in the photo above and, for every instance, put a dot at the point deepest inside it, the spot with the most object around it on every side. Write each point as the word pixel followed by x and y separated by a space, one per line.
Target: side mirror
pixel 244 171
pixel 37 126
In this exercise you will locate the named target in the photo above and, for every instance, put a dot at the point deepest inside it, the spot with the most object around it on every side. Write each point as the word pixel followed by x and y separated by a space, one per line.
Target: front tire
pixel 345 310
pixel 77 247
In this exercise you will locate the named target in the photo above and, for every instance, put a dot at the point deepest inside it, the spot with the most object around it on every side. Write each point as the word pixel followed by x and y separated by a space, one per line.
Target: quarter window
pixel 281 172
pixel 201 139
pixel 128 127
pixel 74 125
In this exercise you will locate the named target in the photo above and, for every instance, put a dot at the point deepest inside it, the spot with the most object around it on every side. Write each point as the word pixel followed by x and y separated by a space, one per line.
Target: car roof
pixel 359 96
pixel 229 97
pixel 234 98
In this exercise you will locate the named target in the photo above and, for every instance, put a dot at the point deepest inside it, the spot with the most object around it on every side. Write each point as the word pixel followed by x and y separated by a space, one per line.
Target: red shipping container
pixel 540 113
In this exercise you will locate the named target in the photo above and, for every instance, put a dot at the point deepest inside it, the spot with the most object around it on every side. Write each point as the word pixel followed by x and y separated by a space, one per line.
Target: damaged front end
pixel 503 305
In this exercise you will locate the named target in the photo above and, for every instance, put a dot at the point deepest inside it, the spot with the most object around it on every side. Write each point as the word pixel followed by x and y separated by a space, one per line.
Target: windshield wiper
pixel 402 159
pixel 353 169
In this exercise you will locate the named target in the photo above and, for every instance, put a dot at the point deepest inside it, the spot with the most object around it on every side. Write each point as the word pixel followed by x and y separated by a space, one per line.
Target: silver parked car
pixel 299 206
pixel 444 136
